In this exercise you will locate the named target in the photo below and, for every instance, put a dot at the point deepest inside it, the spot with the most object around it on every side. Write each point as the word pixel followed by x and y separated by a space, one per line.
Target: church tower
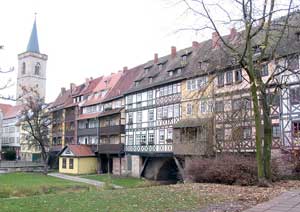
pixel 31 68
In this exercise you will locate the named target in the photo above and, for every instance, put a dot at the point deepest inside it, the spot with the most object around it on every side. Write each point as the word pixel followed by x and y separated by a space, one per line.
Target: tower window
pixel 37 69
pixel 23 68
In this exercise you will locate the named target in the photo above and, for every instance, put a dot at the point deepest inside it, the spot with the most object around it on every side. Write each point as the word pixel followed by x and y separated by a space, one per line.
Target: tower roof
pixel 33 44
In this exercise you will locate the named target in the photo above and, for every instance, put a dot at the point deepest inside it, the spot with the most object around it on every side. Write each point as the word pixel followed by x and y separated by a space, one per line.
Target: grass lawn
pixel 126 182
pixel 29 184
pixel 158 198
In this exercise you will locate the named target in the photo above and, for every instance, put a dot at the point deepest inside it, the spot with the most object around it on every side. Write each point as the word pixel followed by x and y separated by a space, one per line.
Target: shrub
pixel 226 169
pixel 10 155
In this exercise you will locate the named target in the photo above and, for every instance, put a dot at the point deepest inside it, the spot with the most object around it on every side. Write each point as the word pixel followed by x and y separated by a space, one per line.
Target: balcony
pixel 156 148
pixel 112 130
pixel 111 148
pixel 88 132
pixel 69 133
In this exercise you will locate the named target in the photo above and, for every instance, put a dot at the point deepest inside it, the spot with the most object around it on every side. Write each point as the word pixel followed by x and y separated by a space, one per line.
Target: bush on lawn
pixel 226 169
pixel 10 155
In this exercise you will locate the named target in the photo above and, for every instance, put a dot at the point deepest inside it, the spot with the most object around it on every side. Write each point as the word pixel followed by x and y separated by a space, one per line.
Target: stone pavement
pixel 288 201
pixel 79 179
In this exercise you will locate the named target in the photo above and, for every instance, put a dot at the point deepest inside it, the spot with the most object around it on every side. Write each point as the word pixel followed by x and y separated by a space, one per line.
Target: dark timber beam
pixel 144 166
pixel 180 168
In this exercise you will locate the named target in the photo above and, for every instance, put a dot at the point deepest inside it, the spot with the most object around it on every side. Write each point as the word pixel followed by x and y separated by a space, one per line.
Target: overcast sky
pixel 90 38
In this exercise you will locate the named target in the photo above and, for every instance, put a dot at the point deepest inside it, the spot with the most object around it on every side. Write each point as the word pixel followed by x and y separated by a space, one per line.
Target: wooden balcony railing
pixel 111 148
pixel 112 130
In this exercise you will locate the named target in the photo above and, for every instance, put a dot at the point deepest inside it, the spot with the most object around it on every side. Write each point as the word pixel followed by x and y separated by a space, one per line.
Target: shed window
pixel 64 163
pixel 71 163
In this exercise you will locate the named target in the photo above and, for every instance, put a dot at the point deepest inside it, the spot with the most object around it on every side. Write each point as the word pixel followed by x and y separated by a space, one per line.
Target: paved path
pixel 287 202
pixel 81 180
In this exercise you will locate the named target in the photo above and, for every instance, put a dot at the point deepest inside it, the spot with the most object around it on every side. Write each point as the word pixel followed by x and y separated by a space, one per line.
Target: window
pixel 130 139
pixel 159 113
pixel 203 65
pixel 137 139
pixel 273 99
pixel 161 136
pixel 256 50
pixel 170 133
pixel 139 97
pixel 146 70
pixel 220 134
pixel 143 139
pixel 165 112
pixel 221 79
pixel 150 94
pixel 151 139
pixel 176 110
pixel 170 73
pixel 229 77
pixel 130 118
pixel 23 68
pixel 219 106
pixel 293 62
pixel 236 104
pixel 170 89
pixel 160 66
pixel 170 111
pixel 37 69
pixel 64 163
pixel 189 109
pixel 139 104
pixel 191 84
pixel 71 163
pixel 139 117
pixel 129 99
pixel 201 82
pixel 150 79
pixel 247 133
pixel 136 83
pixel 178 71
pixel 151 115
pixel 296 128
pixel 238 75
pixel 295 95
pixel 203 106
pixel 265 70
pixel 276 130
pixel 184 60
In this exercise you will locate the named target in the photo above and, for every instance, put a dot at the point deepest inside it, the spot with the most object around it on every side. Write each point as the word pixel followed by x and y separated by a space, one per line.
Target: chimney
pixel 215 40
pixel 195 44
pixel 87 81
pixel 173 51
pixel 125 68
pixel 63 90
pixel 156 58
pixel 72 87
pixel 233 33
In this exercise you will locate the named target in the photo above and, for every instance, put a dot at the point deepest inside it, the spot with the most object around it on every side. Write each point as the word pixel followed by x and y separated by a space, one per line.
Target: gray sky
pixel 90 38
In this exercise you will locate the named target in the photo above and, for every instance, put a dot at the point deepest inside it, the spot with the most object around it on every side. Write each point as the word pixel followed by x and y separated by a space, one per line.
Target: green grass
pixel 126 182
pixel 158 198
pixel 29 184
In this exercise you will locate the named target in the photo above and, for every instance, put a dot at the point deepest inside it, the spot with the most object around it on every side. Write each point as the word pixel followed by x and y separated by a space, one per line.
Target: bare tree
pixel 263 26
pixel 35 120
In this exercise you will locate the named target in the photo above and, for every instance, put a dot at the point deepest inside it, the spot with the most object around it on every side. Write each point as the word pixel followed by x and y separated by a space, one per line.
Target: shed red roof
pixel 81 150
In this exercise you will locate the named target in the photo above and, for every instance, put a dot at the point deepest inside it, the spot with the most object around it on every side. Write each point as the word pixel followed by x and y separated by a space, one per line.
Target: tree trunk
pixel 258 137
pixel 267 136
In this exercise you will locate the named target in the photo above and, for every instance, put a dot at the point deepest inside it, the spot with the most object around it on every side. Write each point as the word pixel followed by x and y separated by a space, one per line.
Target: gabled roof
pixel 5 107
pixel 78 150
pixel 125 83
pixel 106 83
pixel 13 112
pixel 33 44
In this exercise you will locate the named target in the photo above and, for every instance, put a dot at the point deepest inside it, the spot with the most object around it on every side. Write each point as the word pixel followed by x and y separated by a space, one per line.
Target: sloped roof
pixel 12 112
pixel 79 150
pixel 5 107
pixel 125 82
pixel 33 44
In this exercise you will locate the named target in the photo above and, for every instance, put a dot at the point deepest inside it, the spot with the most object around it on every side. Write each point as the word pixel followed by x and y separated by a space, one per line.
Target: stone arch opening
pixel 168 171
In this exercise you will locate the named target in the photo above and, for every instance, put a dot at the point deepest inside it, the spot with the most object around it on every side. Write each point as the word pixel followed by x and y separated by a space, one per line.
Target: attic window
pixel 298 36
pixel 150 79
pixel 183 60
pixel 203 65
pixel 178 71
pixel 136 83
pixel 171 73
pixel 146 70
pixel 256 49
pixel 160 66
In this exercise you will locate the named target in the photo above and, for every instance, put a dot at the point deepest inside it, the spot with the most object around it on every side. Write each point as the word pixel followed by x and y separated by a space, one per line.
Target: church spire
pixel 33 44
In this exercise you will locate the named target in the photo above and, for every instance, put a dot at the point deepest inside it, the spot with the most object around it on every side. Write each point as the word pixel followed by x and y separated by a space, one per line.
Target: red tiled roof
pixel 125 83
pixel 13 112
pixel 106 83
pixel 5 107
pixel 88 116
pixel 81 150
